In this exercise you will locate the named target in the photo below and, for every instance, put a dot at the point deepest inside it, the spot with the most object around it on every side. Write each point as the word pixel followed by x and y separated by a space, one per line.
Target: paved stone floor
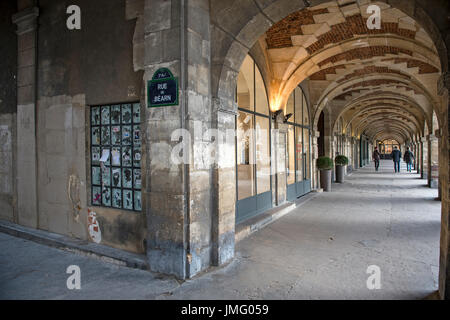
pixel 319 251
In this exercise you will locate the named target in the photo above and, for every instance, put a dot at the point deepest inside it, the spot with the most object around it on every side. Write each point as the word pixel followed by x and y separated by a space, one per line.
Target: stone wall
pixel 8 111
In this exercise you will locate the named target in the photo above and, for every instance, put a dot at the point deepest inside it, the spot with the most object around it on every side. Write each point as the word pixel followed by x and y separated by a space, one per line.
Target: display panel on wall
pixel 116 156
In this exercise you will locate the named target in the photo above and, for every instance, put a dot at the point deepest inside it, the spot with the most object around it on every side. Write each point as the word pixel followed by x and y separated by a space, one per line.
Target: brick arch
pixel 369 122
pixel 237 25
pixel 356 85
pixel 393 108
pixel 372 130
pixel 391 96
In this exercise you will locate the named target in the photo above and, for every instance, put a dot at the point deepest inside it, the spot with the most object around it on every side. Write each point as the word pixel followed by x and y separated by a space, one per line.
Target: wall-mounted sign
pixel 162 89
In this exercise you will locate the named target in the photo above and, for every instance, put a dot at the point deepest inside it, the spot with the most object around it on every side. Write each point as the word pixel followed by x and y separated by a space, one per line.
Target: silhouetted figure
pixel 376 158
pixel 408 157
pixel 396 156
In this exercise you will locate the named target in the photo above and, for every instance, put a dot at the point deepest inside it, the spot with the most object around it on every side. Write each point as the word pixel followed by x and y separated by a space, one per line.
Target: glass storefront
pixel 298 145
pixel 253 143
pixel 253 146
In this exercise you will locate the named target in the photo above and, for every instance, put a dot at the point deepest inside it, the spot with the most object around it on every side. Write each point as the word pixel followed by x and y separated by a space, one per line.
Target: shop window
pixel 253 132
pixel 298 105
pixel 246 85
pixel 290 155
pixel 245 156
pixel 262 104
pixel 299 152
pixel 262 154
pixel 116 156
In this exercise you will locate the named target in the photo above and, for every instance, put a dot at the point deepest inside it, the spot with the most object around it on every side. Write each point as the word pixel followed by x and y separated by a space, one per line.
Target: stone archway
pixel 237 26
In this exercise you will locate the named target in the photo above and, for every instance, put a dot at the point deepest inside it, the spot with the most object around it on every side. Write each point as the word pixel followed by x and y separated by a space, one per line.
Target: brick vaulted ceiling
pixel 346 62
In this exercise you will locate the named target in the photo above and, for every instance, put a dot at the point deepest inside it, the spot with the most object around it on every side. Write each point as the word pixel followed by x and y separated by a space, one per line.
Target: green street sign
pixel 162 90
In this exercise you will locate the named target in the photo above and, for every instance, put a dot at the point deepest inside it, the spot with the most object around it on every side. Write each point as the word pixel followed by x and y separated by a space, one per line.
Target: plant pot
pixel 340 172
pixel 325 180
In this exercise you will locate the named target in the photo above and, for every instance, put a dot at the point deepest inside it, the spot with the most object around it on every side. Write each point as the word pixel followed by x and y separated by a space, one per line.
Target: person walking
pixel 396 156
pixel 376 158
pixel 408 158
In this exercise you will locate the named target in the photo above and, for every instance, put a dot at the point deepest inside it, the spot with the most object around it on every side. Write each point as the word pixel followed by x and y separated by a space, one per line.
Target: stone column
pixel 26 21
pixel 190 220
pixel 314 155
pixel 279 155
pixel 224 183
pixel 424 158
pixel 416 156
pixel 433 161
pixel 444 259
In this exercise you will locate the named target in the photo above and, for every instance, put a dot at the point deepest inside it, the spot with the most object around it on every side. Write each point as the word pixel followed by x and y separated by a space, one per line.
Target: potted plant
pixel 340 161
pixel 325 164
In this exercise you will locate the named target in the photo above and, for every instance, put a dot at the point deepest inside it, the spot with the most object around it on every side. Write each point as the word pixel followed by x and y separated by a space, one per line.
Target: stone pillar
pixel 424 158
pixel 444 259
pixel 190 221
pixel 314 155
pixel 433 161
pixel 26 21
pixel 279 165
pixel 224 183
pixel 416 156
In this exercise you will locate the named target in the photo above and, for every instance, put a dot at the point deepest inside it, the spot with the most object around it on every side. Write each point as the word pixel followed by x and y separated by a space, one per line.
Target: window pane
pixel 106 135
pixel 136 113
pixel 115 156
pixel 137 135
pixel 137 178
pixel 127 179
pixel 306 153
pixel 106 176
pixel 116 177
pixel 290 107
pixel 96 176
pixel 137 201
pixel 95 116
pixel 126 113
pixel 137 157
pixel 105 115
pixel 128 199
pixel 299 151
pixel 126 156
pixel 262 155
pixel 95 140
pixel 116 138
pixel 115 114
pixel 305 112
pixel 262 105
pixel 117 198
pixel 290 155
pixel 106 197
pixel 95 160
pixel 245 157
pixel 245 85
pixel 96 196
pixel 298 105
pixel 126 135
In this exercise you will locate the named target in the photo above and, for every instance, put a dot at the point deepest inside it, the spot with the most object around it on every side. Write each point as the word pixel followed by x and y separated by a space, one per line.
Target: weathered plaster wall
pixel 8 109
pixel 8 61
pixel 78 69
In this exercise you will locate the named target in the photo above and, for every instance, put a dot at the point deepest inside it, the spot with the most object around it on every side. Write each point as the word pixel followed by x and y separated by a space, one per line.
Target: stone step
pixel 104 253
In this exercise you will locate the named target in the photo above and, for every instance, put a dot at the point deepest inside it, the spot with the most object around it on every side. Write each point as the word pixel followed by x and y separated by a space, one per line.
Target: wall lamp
pixel 276 113
pixel 286 117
